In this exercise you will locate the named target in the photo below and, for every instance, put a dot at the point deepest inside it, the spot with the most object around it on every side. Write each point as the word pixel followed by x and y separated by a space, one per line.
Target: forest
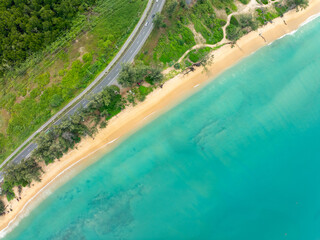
pixel 27 26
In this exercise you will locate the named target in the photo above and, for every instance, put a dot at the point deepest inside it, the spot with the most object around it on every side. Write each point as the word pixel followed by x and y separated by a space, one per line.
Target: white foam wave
pixel 309 19
pixel 43 194
pixel 149 115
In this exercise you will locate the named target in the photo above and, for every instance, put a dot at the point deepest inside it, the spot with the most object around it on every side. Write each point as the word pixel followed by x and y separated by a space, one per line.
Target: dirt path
pixel 252 5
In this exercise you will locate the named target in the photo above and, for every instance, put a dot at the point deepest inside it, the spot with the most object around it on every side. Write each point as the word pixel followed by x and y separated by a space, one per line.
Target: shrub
pixel 187 63
pixel 234 21
pixel 142 92
pixel 177 66
pixel 132 74
pixel 198 54
pixel 158 20
pixel 177 40
pixel 56 100
pixel 2 207
pixel 233 32
pixel 247 21
pixel 87 58
pixel 244 1
pixel 233 7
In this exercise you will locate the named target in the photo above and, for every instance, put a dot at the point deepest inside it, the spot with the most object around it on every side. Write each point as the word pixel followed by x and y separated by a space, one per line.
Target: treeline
pixel 21 175
pixel 53 144
pixel 243 24
pixel 133 74
pixel 27 26
pixel 2 207
pixel 297 3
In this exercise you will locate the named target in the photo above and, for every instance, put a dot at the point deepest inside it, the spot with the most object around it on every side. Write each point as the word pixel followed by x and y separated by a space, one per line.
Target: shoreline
pixel 159 101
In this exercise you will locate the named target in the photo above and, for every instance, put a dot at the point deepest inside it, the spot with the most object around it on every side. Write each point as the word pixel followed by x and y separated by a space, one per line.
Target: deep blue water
pixel 238 160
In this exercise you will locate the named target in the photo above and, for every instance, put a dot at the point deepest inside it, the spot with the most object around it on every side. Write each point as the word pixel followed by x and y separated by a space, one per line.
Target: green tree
pixel 158 20
pixel 247 21
pixel 155 74
pixel 299 3
pixel 2 207
pixel 20 174
pixel 182 3
pixel 56 100
pixel 127 76
pixel 172 7
pixel 28 26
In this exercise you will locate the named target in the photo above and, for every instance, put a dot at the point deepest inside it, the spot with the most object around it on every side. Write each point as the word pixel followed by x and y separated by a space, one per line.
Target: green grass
pixel 140 93
pixel 205 22
pixel 187 63
pixel 34 96
pixel 145 90
pixel 197 54
pixel 222 4
pixel 171 46
pixel 166 45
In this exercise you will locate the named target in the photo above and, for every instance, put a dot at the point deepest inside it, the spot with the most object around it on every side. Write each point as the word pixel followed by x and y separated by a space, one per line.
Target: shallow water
pixel 240 159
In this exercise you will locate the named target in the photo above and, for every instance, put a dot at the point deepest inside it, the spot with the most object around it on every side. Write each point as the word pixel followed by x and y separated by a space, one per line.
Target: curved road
pixel 125 55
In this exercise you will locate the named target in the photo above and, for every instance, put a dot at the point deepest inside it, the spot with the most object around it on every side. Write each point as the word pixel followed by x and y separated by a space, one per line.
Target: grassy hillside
pixel 36 89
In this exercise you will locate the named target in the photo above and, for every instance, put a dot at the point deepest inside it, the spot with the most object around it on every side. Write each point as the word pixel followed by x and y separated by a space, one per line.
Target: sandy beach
pixel 173 92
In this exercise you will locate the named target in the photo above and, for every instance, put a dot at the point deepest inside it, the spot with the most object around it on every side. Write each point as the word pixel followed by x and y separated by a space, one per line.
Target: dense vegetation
pixel 26 26
pixel 21 174
pixel 205 22
pixel 242 24
pixel 238 28
pixel 131 75
pixel 180 27
pixel 28 99
pixel 61 138
pixel 2 207
pixel 174 35
pixel 197 55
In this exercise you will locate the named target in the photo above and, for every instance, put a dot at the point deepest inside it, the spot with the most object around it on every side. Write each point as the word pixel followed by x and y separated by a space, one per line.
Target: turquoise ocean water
pixel 238 160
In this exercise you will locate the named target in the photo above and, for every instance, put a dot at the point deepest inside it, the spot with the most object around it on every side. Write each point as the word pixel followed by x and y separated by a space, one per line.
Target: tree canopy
pixel 2 207
pixel 131 74
pixel 27 26
pixel 21 174
pixel 158 20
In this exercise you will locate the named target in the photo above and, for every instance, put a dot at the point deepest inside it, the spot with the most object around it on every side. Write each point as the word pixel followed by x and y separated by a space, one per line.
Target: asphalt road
pixel 111 77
